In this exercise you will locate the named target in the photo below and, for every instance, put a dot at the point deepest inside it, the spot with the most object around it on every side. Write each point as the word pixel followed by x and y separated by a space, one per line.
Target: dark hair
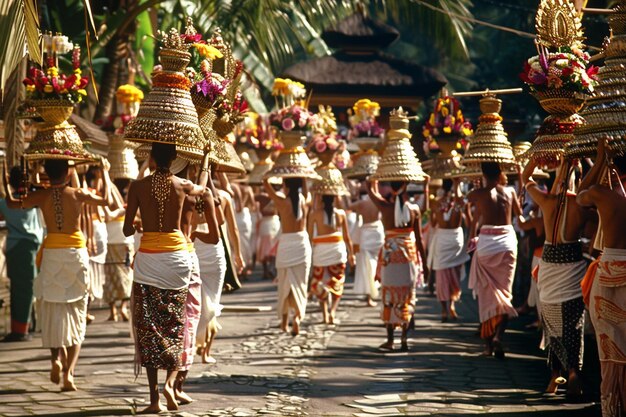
pixel 396 185
pixel 122 184
pixel 16 177
pixel 293 186
pixel 446 184
pixel 620 163
pixel 329 207
pixel 56 169
pixel 163 154
pixel 90 175
pixel 491 170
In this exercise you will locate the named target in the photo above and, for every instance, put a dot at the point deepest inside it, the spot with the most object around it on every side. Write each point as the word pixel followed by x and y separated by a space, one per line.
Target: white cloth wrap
pixel 372 238
pixel 293 249
pixel 328 254
pixel 558 283
pixel 115 234
pixel 100 237
pixel 293 264
pixel 195 268
pixel 489 244
pixel 447 249
pixel 63 324
pixel 166 270
pixel 269 226
pixel 212 262
pixel 63 276
pixel 244 224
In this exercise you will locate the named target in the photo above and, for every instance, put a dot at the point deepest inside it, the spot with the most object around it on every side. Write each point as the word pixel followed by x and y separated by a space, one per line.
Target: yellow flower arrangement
pixel 208 51
pixel 367 106
pixel 129 94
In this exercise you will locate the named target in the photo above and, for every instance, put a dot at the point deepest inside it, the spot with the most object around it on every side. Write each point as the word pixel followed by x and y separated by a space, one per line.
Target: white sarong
pixel 560 282
pixel 293 264
pixel 165 270
pixel 329 253
pixel 212 259
pixel 97 260
pixel 269 228
pixel 244 224
pixel 371 240
pixel 447 250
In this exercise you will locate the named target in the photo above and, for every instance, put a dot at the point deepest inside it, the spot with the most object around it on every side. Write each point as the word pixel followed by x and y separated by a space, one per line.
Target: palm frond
pixel 12 37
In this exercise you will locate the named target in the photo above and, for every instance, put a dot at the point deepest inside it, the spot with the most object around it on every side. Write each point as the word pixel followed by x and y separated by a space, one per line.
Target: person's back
pixel 447 211
pixel 292 208
pixel 366 209
pixel 494 203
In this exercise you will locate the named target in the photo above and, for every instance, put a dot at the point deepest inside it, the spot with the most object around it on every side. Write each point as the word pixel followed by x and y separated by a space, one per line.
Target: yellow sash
pixel 158 242
pixel 64 240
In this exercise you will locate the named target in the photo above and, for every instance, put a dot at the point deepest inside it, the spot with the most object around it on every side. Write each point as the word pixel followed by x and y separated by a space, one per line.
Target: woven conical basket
pixel 292 162
pixel 331 182
pixel 399 161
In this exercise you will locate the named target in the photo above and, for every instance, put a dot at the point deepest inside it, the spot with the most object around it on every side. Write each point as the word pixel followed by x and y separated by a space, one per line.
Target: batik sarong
pixel 559 274
pixel 329 265
pixel 607 309
pixel 398 272
pixel 491 276
pixel 119 275
pixel 159 326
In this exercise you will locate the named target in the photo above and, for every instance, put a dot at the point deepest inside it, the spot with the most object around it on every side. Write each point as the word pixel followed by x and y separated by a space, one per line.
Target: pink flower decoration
pixel 320 146
pixel 288 124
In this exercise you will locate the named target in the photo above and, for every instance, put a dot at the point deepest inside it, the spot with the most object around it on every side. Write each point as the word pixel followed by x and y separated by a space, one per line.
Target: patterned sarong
pixel 607 309
pixel 159 324
pixel 398 273
pixel 119 275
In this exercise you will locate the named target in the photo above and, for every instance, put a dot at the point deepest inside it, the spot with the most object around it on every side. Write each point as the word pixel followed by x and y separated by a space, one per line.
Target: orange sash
pixel 333 238
pixel 587 281
pixel 158 242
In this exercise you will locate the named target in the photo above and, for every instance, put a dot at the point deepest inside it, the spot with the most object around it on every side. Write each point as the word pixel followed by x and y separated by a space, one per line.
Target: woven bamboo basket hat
pixel 441 167
pixel 399 161
pixel 167 114
pixel 55 137
pixel 121 156
pixel 331 182
pixel 292 162
pixel 490 142
pixel 605 113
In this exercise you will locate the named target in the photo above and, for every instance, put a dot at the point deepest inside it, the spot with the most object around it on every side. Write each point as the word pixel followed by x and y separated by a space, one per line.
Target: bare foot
pixel 206 356
pixel 153 409
pixel 404 346
pixel 183 398
pixel 124 314
pixel 371 303
pixel 68 383
pixel 170 398
pixel 386 346
pixel 574 388
pixel 112 317
pixel 55 372
pixel 295 327
pixel 498 350
pixel 553 385
pixel 444 317
pixel 453 314
pixel 90 318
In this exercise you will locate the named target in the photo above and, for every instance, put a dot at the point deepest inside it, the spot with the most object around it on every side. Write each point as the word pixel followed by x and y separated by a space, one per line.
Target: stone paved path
pixel 326 371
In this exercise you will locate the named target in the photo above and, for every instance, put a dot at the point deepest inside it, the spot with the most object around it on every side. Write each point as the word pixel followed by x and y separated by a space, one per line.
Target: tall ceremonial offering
pixel 559 77
pixel 367 134
pixel 121 154
pixel 325 145
pixel 446 132
pixel 399 161
pixel 167 115
pixel 217 96
pixel 490 142
pixel 260 138
pixel 291 122
pixel 605 113
pixel 54 96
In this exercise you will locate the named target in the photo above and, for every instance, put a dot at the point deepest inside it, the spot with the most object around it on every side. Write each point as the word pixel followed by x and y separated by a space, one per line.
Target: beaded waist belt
pixel 562 253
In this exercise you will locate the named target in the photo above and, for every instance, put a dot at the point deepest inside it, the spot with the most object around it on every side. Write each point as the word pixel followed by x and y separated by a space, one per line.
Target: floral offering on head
pixel 363 121
pixel 288 91
pixel 447 119
pixel 212 86
pixel 294 117
pixel 50 83
pixel 566 69
pixel 128 93
pixel 258 135
pixel 322 143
